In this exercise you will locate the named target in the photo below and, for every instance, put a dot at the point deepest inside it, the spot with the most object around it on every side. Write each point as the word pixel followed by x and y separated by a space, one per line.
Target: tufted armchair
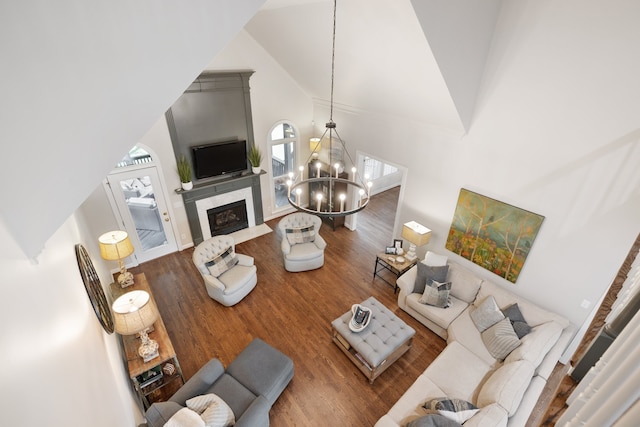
pixel 231 285
pixel 301 256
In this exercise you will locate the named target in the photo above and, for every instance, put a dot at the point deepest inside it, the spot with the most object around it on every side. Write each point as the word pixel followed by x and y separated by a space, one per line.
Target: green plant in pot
pixel 184 172
pixel 255 158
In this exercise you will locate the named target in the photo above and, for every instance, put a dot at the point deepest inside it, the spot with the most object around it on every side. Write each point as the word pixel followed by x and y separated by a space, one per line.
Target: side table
pixel 383 262
pixel 159 378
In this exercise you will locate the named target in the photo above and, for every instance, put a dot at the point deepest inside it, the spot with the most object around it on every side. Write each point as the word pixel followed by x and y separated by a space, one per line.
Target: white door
pixel 139 199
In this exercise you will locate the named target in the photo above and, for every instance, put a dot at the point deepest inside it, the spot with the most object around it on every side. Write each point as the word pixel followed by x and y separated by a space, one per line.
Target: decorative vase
pixel 256 170
pixel 187 185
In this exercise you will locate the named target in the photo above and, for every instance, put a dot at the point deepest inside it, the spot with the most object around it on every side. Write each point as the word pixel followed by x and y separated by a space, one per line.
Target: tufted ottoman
pixel 380 344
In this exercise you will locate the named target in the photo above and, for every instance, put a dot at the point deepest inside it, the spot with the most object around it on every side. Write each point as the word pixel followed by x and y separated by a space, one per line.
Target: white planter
pixel 256 169
pixel 187 185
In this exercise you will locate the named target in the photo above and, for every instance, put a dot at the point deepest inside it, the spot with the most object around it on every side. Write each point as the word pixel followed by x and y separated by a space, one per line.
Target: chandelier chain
pixel 333 57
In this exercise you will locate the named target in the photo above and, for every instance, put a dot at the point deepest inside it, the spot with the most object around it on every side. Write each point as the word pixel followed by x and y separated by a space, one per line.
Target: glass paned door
pixel 142 207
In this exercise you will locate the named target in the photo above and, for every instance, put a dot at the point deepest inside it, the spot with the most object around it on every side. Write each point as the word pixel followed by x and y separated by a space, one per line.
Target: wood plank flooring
pixel 293 312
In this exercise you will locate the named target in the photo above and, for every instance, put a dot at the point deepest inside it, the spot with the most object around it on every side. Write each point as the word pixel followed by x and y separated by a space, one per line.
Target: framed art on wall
pixel 495 235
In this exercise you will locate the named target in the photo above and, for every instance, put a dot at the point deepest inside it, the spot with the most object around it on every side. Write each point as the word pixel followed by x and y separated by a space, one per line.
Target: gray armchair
pixel 301 256
pixel 234 284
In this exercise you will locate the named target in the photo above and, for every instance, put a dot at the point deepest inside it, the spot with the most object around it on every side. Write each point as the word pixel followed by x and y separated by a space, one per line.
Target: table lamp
pixel 134 313
pixel 315 145
pixel 417 235
pixel 115 246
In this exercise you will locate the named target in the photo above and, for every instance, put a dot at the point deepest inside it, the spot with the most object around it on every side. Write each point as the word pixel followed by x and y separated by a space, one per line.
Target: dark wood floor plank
pixel 293 312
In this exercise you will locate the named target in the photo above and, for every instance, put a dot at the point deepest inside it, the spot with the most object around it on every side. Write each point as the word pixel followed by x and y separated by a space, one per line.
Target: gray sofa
pixel 505 390
pixel 250 386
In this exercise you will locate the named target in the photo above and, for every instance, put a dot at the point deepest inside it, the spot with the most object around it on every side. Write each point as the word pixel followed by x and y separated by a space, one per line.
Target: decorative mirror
pixel 94 289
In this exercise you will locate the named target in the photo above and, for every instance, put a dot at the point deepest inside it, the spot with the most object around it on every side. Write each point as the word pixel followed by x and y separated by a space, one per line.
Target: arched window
pixel 283 143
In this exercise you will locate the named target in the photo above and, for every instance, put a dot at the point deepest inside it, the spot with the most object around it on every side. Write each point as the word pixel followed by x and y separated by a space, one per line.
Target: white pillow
pixel 434 260
pixel 185 417
pixel 486 314
pixel 214 411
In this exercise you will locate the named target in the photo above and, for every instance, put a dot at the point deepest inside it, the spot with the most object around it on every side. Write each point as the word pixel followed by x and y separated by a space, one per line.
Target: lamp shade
pixel 115 245
pixel 134 312
pixel 416 233
pixel 315 144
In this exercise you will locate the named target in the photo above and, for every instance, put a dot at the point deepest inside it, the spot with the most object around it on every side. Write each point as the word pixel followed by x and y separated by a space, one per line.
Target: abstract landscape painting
pixel 492 234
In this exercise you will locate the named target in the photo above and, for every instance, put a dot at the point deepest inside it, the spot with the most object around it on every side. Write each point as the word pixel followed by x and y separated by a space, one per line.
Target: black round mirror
pixel 94 289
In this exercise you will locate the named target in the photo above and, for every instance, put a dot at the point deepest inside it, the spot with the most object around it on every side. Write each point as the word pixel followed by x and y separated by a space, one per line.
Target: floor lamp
pixel 417 235
pixel 115 246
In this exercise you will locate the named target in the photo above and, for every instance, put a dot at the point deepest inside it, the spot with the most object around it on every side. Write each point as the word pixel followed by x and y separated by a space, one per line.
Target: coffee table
pixel 376 347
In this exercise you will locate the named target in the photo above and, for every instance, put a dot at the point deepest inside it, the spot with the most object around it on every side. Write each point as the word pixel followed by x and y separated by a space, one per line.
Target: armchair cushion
pixel 300 235
pixel 222 262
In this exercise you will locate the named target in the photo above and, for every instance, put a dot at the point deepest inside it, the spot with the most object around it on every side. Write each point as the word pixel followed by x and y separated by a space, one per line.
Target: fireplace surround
pixel 207 196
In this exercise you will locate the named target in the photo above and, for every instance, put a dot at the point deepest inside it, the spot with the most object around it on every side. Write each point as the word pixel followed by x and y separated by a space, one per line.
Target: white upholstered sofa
pixel 505 391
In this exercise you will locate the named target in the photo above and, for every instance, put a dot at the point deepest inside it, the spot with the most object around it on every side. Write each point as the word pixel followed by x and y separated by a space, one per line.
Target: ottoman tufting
pixel 376 347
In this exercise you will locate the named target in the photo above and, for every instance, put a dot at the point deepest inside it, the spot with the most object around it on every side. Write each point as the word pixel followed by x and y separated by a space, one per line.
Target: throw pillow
pixel 301 235
pixel 457 410
pixel 500 339
pixel 433 420
pixel 426 274
pixel 434 260
pixel 436 294
pixel 185 417
pixel 213 410
pixel 486 314
pixel 222 262
pixel 517 320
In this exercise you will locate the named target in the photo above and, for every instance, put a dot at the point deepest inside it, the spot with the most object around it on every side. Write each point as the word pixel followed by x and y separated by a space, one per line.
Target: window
pixel 282 140
pixel 136 156
pixel 375 169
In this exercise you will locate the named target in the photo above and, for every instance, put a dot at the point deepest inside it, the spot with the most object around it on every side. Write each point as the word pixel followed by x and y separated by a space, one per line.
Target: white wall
pixel 275 96
pixel 82 81
pixel 556 133
pixel 59 365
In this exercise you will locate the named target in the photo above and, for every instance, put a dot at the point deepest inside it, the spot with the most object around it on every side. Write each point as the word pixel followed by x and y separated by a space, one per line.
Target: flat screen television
pixel 221 158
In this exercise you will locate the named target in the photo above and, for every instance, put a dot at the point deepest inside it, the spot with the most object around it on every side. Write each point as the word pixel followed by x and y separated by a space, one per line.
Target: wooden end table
pixel 383 262
pixel 157 379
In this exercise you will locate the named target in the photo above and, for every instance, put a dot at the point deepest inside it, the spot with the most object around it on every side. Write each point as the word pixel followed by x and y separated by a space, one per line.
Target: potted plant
pixel 255 158
pixel 184 172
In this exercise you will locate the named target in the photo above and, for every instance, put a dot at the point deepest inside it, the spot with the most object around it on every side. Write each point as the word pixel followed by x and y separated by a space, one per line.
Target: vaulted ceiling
pixel 422 59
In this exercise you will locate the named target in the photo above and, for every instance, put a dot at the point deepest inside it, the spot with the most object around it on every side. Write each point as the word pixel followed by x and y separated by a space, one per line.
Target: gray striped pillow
pixel 500 339
pixel 301 235
pixel 222 262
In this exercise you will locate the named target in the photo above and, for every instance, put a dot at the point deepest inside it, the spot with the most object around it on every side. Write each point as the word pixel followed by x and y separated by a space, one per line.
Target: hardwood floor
pixel 293 312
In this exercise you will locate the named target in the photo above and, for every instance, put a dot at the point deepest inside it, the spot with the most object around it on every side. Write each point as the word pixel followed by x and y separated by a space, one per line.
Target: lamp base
pixel 411 254
pixel 125 279
pixel 148 348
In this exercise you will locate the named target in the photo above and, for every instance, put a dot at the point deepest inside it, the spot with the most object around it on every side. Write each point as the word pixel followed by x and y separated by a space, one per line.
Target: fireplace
pixel 225 213
pixel 228 218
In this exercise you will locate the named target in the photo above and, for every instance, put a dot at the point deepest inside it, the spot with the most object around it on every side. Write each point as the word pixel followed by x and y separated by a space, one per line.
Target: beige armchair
pixel 214 257
pixel 302 255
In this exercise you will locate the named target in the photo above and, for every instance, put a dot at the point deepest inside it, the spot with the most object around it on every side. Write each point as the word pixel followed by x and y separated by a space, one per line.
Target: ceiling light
pixel 330 190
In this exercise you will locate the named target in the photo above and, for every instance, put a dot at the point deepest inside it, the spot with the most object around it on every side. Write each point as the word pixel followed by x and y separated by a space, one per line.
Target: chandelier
pixel 330 190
